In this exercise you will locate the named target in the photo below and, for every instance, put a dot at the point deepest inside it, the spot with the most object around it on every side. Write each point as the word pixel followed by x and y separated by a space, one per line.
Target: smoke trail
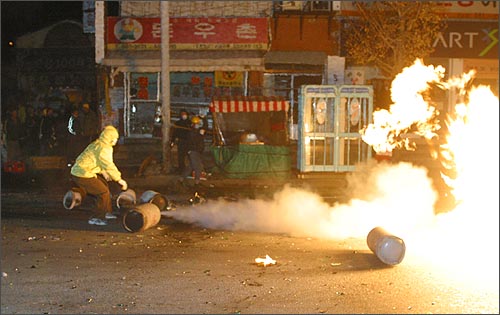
pixel 387 198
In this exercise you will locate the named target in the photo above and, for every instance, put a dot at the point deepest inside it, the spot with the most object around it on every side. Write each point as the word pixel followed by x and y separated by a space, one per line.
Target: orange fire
pixel 471 154
pixel 410 110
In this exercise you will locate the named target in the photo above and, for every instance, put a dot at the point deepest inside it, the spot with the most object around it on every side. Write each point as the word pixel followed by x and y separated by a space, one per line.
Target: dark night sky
pixel 22 17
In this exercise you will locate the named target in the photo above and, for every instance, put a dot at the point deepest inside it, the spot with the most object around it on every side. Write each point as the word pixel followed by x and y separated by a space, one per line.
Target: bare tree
pixel 390 35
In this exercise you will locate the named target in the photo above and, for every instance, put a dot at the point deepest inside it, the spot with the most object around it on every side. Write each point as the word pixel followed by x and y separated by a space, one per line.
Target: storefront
pixel 208 57
pixel 302 48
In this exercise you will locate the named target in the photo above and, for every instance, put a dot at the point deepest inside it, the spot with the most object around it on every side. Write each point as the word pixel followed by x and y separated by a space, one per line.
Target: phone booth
pixel 330 118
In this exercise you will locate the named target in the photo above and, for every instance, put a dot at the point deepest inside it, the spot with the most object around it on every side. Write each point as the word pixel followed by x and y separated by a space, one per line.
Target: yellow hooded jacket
pixel 98 157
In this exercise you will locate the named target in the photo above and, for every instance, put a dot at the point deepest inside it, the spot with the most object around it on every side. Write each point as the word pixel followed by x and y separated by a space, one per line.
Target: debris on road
pixel 265 261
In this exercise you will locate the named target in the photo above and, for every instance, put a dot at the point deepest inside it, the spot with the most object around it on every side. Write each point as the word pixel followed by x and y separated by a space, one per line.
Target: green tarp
pixel 253 161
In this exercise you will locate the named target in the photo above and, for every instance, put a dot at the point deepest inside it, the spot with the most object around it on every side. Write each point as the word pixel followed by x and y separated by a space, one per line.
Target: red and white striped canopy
pixel 248 104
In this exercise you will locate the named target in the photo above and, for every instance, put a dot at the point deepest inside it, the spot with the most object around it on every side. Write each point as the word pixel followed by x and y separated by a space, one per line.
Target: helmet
pixel 195 120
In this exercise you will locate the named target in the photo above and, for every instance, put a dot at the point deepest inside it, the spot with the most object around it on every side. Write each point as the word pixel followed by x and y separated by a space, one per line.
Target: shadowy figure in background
pixel 75 136
pixel 14 133
pixel 47 132
pixel 196 146
pixel 90 124
pixel 30 144
pixel 180 137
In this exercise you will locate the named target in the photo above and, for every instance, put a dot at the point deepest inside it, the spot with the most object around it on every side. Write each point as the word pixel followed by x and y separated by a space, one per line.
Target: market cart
pixel 250 136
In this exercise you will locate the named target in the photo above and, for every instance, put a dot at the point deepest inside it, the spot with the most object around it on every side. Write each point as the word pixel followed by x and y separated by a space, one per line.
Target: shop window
pixel 144 119
pixel 144 86
pixel 143 105
pixel 288 86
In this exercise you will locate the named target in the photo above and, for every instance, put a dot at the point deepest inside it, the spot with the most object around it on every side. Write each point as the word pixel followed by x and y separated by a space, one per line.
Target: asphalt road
pixel 53 262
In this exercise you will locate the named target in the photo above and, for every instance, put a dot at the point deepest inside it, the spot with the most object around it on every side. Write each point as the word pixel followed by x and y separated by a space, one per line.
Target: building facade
pixel 248 48
pixel 55 65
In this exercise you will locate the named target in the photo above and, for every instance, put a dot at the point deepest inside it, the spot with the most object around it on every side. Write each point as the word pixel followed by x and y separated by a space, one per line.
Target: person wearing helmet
pixel 92 170
pixel 180 137
pixel 195 121
pixel 196 146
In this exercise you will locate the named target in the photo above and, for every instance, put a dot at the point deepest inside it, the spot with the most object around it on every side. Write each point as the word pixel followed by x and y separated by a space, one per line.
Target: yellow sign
pixel 229 78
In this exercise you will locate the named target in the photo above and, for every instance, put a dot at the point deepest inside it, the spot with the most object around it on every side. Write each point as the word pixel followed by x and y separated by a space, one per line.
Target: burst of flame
pixel 409 110
pixel 471 151
pixel 265 261
pixel 468 233
pixel 471 148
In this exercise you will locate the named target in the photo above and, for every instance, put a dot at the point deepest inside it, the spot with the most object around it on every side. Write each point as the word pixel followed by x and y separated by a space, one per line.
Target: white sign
pixel 335 70
pixel 354 76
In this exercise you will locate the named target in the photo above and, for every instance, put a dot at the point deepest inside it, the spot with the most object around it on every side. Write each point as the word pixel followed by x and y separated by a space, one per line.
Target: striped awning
pixel 248 104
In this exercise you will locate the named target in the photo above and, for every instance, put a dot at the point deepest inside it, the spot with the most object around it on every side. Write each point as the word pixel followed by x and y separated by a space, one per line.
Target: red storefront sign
pixel 133 33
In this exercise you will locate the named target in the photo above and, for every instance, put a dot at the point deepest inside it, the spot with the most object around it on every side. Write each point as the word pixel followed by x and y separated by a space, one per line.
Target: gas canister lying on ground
pixel 72 199
pixel 141 217
pixel 126 199
pixel 154 197
pixel 388 248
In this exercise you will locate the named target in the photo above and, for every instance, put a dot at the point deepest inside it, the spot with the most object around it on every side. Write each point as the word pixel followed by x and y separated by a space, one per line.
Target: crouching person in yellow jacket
pixel 92 170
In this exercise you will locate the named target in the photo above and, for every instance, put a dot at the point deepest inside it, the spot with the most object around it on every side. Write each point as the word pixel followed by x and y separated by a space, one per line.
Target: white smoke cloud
pixel 396 197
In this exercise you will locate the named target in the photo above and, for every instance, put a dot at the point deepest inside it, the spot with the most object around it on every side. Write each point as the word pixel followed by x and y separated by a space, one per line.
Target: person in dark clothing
pixel 196 146
pixel 30 144
pixel 75 136
pixel 47 132
pixel 14 133
pixel 90 123
pixel 180 137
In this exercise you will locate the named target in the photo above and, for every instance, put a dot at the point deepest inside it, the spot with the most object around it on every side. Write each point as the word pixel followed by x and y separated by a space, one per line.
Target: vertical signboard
pixel 88 16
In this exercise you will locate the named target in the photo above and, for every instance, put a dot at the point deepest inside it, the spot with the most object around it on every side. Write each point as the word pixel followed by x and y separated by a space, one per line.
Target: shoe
pixel 110 216
pixel 203 176
pixel 97 221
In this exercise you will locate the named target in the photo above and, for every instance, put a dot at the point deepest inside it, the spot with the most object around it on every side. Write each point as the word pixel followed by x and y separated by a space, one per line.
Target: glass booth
pixel 330 118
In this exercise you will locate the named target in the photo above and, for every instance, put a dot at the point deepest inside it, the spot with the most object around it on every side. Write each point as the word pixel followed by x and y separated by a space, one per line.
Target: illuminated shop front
pixel 208 57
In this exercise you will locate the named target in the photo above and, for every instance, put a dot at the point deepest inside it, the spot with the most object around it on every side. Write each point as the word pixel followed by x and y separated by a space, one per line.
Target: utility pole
pixel 165 85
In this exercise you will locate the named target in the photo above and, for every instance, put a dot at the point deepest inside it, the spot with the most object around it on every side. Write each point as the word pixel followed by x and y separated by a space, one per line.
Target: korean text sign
pixel 242 33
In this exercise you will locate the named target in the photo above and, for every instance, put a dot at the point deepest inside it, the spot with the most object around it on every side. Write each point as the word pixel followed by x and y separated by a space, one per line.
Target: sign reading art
pixel 241 33
pixel 467 40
